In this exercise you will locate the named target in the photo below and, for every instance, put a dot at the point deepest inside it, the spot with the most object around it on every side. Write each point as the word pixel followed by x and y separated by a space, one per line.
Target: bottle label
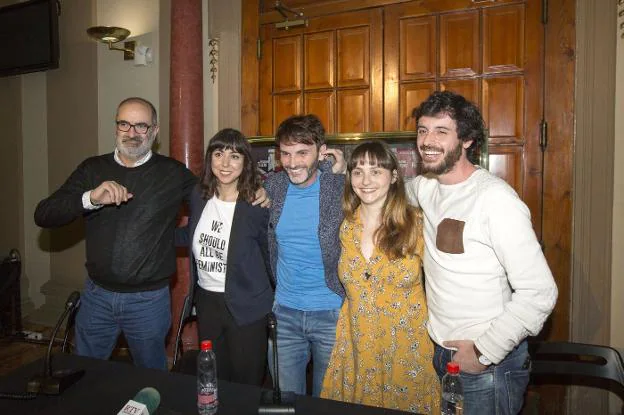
pixel 207 395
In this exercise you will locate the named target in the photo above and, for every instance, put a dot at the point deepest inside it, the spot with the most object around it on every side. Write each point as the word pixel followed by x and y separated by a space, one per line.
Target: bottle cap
pixel 452 367
pixel 205 345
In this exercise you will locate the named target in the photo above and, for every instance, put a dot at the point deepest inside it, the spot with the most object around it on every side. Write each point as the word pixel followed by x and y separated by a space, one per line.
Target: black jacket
pixel 248 279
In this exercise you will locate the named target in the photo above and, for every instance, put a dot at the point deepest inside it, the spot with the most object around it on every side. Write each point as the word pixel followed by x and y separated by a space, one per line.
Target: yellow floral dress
pixel 383 354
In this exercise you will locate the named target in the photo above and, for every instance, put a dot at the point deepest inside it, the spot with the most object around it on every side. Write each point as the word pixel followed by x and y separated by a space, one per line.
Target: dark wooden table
pixel 107 386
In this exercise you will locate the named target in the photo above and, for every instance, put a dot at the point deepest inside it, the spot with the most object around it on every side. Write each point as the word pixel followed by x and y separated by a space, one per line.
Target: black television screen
pixel 29 39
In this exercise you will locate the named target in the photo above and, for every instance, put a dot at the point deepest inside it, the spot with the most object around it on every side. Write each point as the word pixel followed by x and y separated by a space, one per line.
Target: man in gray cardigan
pixel 304 247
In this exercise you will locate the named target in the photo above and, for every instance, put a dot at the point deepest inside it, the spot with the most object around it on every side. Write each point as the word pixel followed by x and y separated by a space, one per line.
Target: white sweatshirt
pixel 486 277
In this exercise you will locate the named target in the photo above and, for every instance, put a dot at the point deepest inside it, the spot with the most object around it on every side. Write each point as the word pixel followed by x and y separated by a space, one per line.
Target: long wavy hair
pixel 397 236
pixel 249 180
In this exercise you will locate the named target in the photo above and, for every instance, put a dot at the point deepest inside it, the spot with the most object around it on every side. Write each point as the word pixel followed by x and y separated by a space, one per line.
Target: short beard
pixel 310 172
pixel 449 161
pixel 136 153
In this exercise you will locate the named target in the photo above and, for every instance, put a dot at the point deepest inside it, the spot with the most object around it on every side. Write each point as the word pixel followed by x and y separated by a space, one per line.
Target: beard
pixel 135 148
pixel 309 173
pixel 447 163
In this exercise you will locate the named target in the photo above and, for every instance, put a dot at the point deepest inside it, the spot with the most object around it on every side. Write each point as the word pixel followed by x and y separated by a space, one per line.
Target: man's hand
pixel 262 198
pixel 340 165
pixel 109 193
pixel 465 356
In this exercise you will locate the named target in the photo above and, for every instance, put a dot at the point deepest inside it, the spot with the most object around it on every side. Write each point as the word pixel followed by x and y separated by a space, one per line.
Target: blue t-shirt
pixel 300 271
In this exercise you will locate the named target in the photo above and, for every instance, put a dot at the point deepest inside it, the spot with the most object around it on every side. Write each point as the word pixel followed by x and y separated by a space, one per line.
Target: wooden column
pixel 186 129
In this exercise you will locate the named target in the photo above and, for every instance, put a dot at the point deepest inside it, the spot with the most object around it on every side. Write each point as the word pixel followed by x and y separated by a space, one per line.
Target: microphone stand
pixel 276 401
pixel 70 323
pixel 54 383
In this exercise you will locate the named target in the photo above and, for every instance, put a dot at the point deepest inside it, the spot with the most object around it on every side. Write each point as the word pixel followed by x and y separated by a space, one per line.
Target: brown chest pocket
pixel 450 236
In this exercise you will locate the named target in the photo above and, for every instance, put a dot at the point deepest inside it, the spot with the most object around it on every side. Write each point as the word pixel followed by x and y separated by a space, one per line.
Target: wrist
pixel 481 357
pixel 88 203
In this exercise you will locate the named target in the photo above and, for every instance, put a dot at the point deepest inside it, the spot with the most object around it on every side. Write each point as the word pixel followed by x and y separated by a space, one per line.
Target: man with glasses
pixel 129 200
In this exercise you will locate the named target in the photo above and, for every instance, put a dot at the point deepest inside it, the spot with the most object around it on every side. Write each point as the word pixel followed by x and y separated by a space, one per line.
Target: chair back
pixel 577 364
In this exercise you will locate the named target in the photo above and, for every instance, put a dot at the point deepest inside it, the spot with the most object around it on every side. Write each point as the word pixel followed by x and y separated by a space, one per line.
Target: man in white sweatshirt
pixel 488 284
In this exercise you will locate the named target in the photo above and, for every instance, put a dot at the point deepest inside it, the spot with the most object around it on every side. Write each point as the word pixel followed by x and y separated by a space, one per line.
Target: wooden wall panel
pixel 265 96
pixel 459 44
pixel 287 64
pixel 411 95
pixel 284 106
pixel 469 88
pixel 506 163
pixel 418 48
pixel 353 57
pixel 353 111
pixel 503 38
pixel 323 105
pixel 320 51
pixel 503 109
pixel 329 57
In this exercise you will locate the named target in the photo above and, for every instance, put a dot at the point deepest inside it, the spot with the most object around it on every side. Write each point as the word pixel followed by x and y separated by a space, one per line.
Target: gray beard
pixel 136 153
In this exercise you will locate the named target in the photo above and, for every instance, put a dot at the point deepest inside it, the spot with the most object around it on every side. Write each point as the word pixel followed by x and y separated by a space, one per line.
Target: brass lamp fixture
pixel 111 35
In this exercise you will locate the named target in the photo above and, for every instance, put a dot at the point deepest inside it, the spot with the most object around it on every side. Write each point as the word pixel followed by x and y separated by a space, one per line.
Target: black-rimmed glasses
pixel 139 128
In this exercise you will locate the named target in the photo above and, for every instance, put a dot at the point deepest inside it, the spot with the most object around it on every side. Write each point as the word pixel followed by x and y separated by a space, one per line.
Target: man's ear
pixel 467 144
pixel 321 152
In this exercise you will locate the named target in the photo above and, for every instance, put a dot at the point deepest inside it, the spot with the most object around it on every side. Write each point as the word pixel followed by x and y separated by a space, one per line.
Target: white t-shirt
pixel 210 244
pixel 486 277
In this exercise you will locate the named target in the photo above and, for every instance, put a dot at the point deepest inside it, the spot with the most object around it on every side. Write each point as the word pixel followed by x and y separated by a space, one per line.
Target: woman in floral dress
pixel 382 355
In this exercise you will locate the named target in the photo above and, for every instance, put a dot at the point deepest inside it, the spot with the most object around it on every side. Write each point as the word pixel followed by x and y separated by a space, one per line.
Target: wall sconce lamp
pixel 142 55
pixel 111 35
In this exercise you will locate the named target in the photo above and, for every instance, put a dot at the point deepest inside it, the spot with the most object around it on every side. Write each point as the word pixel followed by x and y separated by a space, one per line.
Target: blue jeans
pixel 298 334
pixel 144 317
pixel 499 390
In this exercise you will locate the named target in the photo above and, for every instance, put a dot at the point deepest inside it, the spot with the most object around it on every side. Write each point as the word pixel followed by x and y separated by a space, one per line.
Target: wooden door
pixel 488 51
pixel 331 68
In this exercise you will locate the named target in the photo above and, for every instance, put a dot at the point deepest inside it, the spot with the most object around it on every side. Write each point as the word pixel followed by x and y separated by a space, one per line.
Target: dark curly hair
pixel 301 129
pixel 470 125
pixel 249 180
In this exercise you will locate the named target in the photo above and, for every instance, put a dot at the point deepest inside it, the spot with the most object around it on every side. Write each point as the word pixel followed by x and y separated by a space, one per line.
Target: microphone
pixel 54 383
pixel 276 401
pixel 145 402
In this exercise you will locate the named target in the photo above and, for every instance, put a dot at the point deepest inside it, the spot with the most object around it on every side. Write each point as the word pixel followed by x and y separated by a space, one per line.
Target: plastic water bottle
pixel 207 397
pixel 452 391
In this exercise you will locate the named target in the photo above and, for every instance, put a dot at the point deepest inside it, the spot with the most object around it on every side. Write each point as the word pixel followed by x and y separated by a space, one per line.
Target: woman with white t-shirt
pixel 231 281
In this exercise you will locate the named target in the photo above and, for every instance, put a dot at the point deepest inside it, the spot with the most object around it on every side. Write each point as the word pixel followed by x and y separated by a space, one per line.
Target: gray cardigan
pixel 330 218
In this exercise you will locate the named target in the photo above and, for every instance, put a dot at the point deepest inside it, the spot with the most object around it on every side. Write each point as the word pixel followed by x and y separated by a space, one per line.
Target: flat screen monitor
pixel 29 39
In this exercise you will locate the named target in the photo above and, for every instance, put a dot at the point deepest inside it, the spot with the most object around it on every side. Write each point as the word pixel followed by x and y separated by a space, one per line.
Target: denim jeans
pixel 499 390
pixel 144 317
pixel 300 333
